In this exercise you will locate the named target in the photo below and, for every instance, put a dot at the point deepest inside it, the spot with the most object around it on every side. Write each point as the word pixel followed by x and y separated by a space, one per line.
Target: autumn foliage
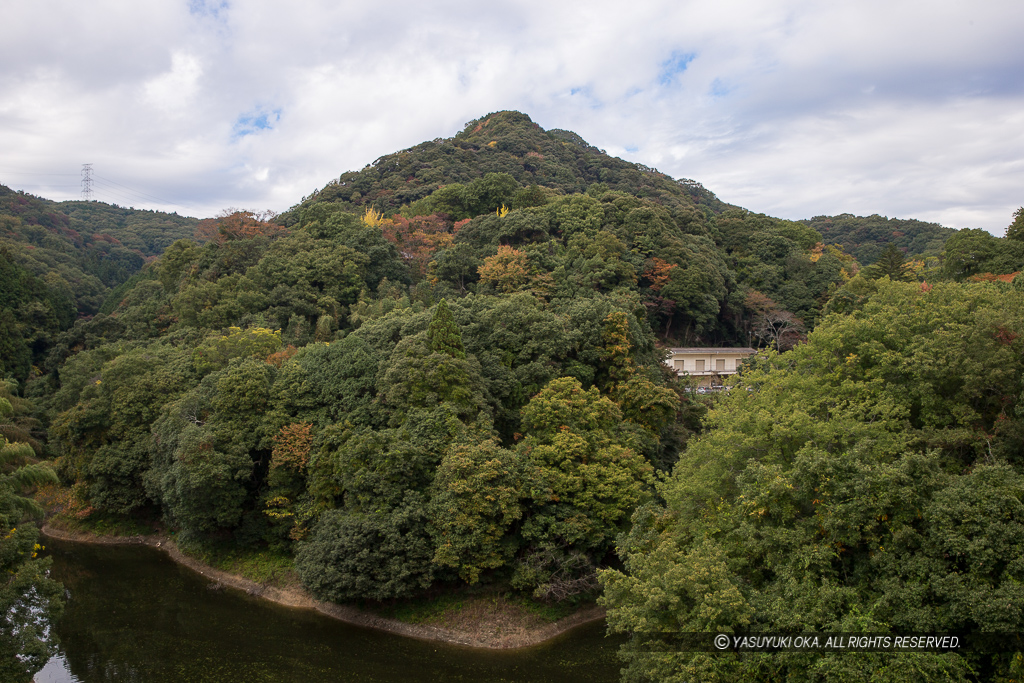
pixel 279 357
pixel 507 269
pixel 658 272
pixel 238 225
pixel 418 238
pixel 291 446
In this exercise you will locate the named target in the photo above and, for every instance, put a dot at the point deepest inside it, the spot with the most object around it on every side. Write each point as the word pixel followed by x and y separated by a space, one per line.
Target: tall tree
pixel 891 263
pixel 1015 231
pixel 583 483
pixel 444 335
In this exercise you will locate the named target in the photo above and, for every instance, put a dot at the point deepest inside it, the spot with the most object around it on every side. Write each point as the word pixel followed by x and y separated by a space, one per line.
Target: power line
pixel 8 169
pixel 87 182
pixel 140 193
pixel 117 197
pixel 93 184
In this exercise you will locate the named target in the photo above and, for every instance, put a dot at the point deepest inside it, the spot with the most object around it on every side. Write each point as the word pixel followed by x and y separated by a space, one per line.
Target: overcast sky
pixel 911 109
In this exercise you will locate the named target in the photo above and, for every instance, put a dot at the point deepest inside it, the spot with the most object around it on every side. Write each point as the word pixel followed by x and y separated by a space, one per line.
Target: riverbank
pixel 481 623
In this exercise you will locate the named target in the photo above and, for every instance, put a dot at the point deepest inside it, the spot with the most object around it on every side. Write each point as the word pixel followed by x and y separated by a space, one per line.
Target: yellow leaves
pixel 277 508
pixel 256 342
pixel 372 217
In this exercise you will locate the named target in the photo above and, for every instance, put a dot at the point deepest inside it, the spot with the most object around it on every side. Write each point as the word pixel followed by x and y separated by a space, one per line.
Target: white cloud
pixel 796 108
pixel 175 90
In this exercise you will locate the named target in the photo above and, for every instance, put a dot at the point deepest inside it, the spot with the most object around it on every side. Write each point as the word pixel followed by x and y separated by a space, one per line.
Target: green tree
pixel 443 334
pixel 376 554
pixel 1015 231
pixel 969 252
pixel 30 601
pixel 216 351
pixel 582 485
pixel 868 481
pixel 891 263
pixel 473 505
pixel 417 378
pixel 105 437
pixel 15 355
pixel 376 543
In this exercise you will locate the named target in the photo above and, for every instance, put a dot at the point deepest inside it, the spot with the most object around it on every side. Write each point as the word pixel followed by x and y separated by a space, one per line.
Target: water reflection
pixel 135 615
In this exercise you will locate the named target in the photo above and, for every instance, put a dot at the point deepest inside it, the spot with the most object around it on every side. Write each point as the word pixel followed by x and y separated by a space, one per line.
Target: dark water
pixel 134 615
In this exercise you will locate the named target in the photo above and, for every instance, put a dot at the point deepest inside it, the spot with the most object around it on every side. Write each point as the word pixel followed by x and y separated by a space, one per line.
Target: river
pixel 136 616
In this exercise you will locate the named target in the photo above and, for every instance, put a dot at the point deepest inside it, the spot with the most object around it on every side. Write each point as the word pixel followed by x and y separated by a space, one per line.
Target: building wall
pixel 710 366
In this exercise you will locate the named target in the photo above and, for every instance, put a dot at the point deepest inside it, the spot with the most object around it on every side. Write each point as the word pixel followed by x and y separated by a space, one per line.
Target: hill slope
pixel 59 261
pixel 865 237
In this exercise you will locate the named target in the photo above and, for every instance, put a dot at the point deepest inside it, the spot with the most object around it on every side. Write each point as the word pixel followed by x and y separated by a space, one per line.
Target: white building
pixel 709 365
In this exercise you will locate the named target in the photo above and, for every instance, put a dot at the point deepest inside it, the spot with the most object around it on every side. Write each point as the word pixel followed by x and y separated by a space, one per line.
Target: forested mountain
pixel 506 143
pixel 444 369
pixel 59 261
pixel 377 375
pixel 865 237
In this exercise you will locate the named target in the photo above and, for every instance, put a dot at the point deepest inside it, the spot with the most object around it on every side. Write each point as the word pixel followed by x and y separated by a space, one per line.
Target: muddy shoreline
pixel 502 638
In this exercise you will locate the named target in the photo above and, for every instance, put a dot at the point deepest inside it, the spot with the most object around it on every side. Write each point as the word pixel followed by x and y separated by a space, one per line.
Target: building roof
pixel 697 349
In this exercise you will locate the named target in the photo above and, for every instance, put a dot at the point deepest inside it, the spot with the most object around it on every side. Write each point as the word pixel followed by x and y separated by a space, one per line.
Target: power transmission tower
pixel 87 182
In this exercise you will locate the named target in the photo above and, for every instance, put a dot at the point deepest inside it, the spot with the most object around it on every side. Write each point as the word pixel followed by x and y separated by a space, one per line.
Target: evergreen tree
pixel 443 334
pixel 892 262
pixel 1015 231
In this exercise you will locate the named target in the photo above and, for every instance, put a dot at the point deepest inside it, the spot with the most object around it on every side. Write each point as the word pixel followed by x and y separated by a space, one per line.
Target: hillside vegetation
pixel 445 369
pixel 866 237
pixel 60 261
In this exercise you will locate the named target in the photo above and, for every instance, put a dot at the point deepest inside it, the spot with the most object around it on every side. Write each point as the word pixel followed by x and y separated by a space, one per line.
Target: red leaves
pixel 418 238
pixel 1004 336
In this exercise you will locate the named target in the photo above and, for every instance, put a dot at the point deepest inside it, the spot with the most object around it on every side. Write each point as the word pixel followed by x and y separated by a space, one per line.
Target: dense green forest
pixel 866 237
pixel 445 370
pixel 61 261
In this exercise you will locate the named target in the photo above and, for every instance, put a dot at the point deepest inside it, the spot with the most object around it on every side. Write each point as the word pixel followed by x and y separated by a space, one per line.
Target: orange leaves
pixel 238 225
pixel 992 277
pixel 658 273
pixel 70 501
pixel 291 446
pixel 278 358
pixel 816 252
pixel 507 269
